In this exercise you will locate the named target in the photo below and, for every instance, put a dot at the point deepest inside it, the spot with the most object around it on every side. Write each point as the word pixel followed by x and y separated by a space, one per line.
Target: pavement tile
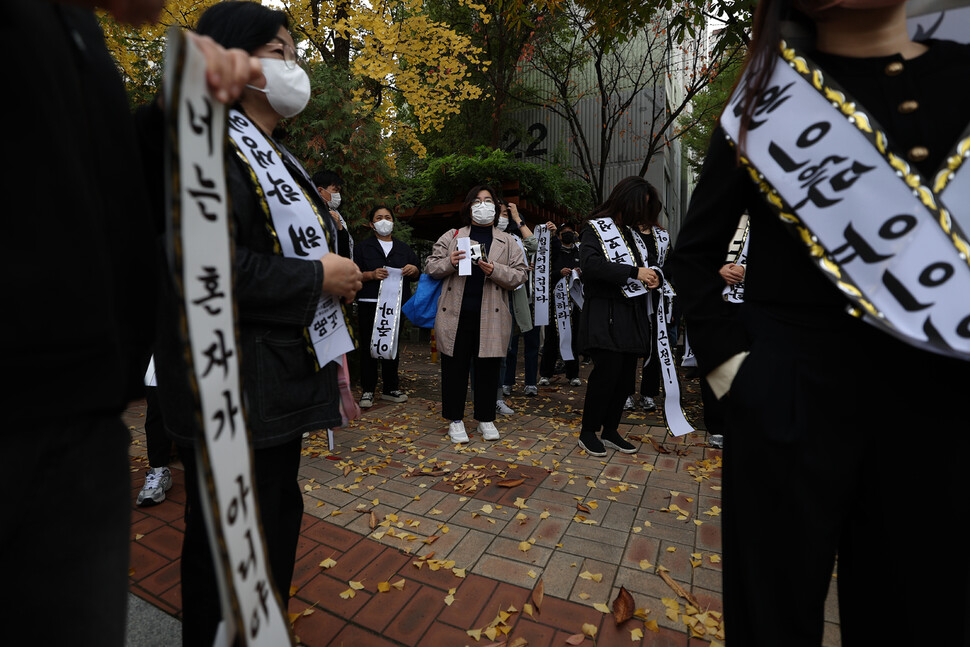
pixel 324 591
pixel 315 629
pixel 143 561
pixel 356 636
pixel 416 616
pixel 440 634
pixel 473 593
pixel 164 540
pixel 509 571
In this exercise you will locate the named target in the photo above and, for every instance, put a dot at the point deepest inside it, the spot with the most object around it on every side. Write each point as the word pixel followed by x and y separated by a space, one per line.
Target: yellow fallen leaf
pixel 651 625
pixel 545 514
pixel 589 630
pixel 602 608
pixel 328 563
pixel 349 593
pixel 596 577
pixel 524 546
pixel 475 633
pixel 527 608
pixel 636 634
pixel 459 572
pixel 383 587
pixel 584 596
pixel 399 585
pixel 449 599
pixel 356 585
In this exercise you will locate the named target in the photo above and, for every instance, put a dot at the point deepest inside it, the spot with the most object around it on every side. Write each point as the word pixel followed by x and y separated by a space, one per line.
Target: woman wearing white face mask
pixel 285 266
pixel 373 256
pixel 473 322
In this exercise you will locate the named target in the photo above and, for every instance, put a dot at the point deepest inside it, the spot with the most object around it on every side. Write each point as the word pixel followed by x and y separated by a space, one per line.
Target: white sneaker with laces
pixel 489 432
pixel 575 382
pixel 647 403
pixel 158 481
pixel 367 400
pixel 506 389
pixel 530 389
pixel 630 404
pixel 503 408
pixel 457 433
pixel 543 381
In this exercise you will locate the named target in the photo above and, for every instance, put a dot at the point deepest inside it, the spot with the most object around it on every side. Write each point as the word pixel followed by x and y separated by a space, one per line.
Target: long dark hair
pixel 466 207
pixel 759 62
pixel 243 24
pixel 633 202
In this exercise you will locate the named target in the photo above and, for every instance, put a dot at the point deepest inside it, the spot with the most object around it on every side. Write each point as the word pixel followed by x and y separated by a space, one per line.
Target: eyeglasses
pixel 487 201
pixel 290 56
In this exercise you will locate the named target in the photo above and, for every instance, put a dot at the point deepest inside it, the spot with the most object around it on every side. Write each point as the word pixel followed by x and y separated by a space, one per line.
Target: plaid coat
pixel 496 325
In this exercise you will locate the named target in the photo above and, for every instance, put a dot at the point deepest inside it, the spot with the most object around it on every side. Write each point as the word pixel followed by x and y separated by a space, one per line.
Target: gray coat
pixel 496 323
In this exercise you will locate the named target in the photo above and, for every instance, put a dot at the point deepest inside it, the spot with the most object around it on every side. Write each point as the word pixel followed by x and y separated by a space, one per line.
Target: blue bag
pixel 421 308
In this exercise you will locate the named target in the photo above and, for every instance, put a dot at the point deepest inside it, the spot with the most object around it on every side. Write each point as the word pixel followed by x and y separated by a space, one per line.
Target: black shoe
pixel 592 446
pixel 617 442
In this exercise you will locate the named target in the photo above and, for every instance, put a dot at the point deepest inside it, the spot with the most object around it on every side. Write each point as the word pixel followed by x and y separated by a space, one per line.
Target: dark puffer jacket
pixel 610 320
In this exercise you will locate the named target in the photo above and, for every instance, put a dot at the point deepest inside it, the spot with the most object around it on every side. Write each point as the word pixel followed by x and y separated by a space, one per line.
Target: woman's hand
pixel 341 276
pixel 336 219
pixel 409 270
pixel 648 276
pixel 488 268
pixel 456 256
pixel 227 71
pixel 731 273
pixel 377 275
pixel 551 226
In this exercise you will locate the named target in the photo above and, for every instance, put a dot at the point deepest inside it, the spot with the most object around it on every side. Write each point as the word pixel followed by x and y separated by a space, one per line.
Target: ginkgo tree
pixel 394 52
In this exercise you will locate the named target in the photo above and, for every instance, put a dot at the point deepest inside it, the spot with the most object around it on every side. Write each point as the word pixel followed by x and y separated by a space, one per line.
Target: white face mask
pixel 288 90
pixel 483 214
pixel 384 227
pixel 503 222
pixel 334 200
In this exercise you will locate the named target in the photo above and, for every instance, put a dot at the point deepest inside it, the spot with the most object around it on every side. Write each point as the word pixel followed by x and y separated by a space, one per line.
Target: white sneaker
pixel 543 381
pixel 647 403
pixel 489 432
pixel 630 404
pixel 158 481
pixel 367 400
pixel 506 389
pixel 530 389
pixel 575 382
pixel 457 433
pixel 504 409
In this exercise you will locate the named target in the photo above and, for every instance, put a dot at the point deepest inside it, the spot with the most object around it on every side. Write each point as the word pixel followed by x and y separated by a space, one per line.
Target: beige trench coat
pixel 496 324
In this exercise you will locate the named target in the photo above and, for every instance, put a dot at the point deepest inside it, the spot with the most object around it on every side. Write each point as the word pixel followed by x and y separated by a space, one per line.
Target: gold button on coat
pixel 894 68
pixel 907 107
pixel 918 153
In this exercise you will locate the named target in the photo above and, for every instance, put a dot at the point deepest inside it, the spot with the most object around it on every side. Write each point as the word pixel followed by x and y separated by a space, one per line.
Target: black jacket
pixel 610 320
pixel 276 299
pixel 369 255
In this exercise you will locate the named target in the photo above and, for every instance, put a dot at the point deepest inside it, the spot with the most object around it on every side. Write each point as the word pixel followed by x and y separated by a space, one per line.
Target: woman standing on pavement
pixel 373 256
pixel 797 369
pixel 286 391
pixel 473 322
pixel 615 324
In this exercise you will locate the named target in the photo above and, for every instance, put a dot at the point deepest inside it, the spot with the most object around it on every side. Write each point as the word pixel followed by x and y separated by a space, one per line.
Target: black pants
pixel 605 390
pixel 79 543
pixel 368 365
pixel 158 443
pixel 281 507
pixel 456 368
pixel 550 349
pixel 816 466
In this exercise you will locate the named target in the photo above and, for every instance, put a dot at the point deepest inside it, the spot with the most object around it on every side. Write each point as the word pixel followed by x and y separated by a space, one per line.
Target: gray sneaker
pixel 647 403
pixel 629 405
pixel 543 381
pixel 530 389
pixel 158 481
pixel 502 408
pixel 395 396
pixel 716 441
pixel 506 389
pixel 367 400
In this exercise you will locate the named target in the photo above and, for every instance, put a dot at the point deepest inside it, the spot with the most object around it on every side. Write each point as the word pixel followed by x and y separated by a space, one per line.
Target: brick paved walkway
pixel 410 540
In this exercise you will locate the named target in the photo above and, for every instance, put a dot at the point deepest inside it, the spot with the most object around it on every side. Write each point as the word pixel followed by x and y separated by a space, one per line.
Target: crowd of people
pixel 766 366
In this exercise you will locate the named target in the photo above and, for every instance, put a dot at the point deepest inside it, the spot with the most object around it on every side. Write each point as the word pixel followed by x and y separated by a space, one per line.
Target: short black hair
pixel 466 207
pixel 325 178
pixel 241 24
pixel 375 209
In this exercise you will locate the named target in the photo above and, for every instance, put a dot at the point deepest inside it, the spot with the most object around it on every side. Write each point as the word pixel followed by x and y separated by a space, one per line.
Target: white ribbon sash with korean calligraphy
pixel 387 322
pixel 674 416
pixel 943 20
pixel 300 231
pixel 738 254
pixel 662 242
pixel 201 262
pixel 564 319
pixel 883 235
pixel 576 288
pixel 540 278
pixel 617 251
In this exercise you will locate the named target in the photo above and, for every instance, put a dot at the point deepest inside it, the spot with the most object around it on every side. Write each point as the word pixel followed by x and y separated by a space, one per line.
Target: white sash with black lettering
pixel 200 252
pixel 735 293
pixel 674 416
pixel 873 226
pixel 662 242
pixel 564 319
pixel 387 322
pixel 300 231
pixel 941 19
pixel 617 251
pixel 576 288
pixel 518 241
pixel 540 278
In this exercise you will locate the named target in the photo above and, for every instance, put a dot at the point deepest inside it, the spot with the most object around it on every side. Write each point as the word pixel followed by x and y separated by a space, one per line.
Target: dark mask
pixel 568 238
